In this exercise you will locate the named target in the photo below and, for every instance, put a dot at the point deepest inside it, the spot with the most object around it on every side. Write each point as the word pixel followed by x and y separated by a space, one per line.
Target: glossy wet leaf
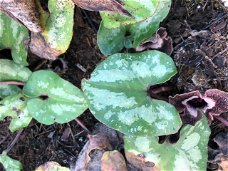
pixel 117 93
pixel 64 102
pixel 140 11
pixel 7 90
pixel 14 36
pixel 188 154
pixel 51 166
pixel 15 106
pixel 10 164
pixel 58 30
pixel 132 35
pixel 10 71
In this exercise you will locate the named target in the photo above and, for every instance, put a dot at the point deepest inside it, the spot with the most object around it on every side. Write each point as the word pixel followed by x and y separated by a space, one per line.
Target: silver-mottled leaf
pixel 15 106
pixel 13 36
pixel 131 35
pixel 7 90
pixel 64 101
pixel 117 93
pixel 188 154
pixel 10 71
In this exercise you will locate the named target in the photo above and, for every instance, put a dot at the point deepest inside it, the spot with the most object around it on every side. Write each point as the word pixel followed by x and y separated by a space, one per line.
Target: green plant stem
pixel 12 83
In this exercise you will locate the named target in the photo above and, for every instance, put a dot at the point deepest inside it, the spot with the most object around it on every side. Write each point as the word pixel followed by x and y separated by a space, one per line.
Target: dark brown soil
pixel 202 62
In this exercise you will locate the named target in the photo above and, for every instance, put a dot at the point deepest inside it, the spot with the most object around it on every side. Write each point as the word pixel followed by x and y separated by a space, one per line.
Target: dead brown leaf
pixel 140 162
pixel 90 156
pixel 51 166
pixel 224 164
pixel 113 161
pixel 41 48
pixel 103 5
pixel 24 11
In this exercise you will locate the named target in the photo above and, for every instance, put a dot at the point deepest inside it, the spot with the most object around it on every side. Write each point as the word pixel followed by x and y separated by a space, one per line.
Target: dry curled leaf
pixel 140 161
pixel 102 5
pixel 213 103
pixel 90 156
pixel 24 11
pixel 51 166
pixel 113 161
pixel 40 47
pixel 160 41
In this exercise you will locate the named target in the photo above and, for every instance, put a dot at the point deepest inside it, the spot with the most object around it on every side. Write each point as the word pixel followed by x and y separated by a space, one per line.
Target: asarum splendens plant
pixel 117 92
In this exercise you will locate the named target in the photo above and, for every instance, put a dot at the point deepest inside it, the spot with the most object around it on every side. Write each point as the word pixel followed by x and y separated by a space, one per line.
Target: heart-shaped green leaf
pixel 15 106
pixel 188 154
pixel 64 101
pixel 10 71
pixel 7 90
pixel 117 93
pixel 131 35
pixel 13 36
pixel 10 164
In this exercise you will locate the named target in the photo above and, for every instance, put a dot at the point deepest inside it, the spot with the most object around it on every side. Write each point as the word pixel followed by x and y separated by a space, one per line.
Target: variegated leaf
pixel 10 71
pixel 131 35
pixel 188 154
pixel 15 106
pixel 14 36
pixel 140 11
pixel 64 101
pixel 57 29
pixel 10 164
pixel 117 94
pixel 7 90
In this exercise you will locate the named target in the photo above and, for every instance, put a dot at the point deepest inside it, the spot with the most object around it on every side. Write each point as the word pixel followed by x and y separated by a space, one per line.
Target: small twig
pixel 221 119
pixel 83 126
pixel 12 83
pixel 4 139
pixel 161 89
pixel 89 20
pixel 40 65
pixel 14 141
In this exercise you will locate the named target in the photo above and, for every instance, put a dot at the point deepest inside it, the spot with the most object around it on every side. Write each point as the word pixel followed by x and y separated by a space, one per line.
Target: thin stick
pixel 83 126
pixel 221 119
pixel 14 141
pixel 161 89
pixel 12 83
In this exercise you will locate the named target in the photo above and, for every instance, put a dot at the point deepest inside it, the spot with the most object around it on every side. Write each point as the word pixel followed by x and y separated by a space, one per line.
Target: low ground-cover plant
pixel 117 92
